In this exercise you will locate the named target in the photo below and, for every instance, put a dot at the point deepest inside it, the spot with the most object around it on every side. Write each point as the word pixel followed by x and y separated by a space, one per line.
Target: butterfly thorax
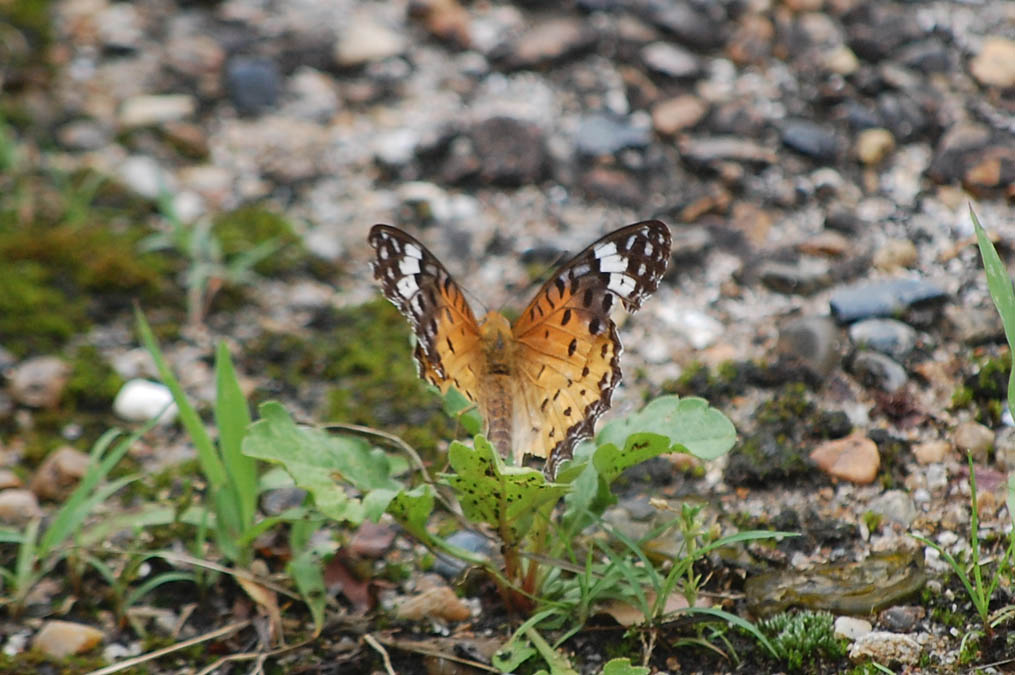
pixel 499 347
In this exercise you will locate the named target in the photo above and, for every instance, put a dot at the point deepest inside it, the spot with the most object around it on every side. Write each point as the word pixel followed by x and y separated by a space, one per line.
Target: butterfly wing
pixel 568 355
pixel 447 335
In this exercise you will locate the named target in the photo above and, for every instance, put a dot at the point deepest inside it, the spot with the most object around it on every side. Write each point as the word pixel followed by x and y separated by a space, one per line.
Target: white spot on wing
pixel 606 250
pixel 413 251
pixel 621 284
pixel 579 271
pixel 648 248
pixel 382 253
pixel 614 263
pixel 630 242
pixel 407 286
pixel 408 265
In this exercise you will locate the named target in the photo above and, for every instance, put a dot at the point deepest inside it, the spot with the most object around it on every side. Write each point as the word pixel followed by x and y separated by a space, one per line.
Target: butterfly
pixel 542 382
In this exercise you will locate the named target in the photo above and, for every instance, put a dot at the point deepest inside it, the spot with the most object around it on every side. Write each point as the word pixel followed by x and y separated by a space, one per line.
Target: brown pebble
pixel 854 458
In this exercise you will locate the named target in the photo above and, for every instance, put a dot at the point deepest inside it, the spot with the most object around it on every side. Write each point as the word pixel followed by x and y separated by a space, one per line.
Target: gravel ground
pixel 815 159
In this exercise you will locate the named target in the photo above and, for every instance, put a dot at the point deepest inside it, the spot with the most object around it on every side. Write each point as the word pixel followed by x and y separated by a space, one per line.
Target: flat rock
pixel 600 134
pixel 888 336
pixel 882 298
pixel 932 452
pixel 18 506
pixel 994 66
pixel 59 473
pixel 39 382
pixel 151 110
pixel 875 369
pixel 671 60
pixel 58 639
pixel 548 41
pixel 814 340
pixel 366 39
pixel 886 648
pixel 811 139
pixel 850 628
pixel 673 115
pixel 854 458
pixel 973 438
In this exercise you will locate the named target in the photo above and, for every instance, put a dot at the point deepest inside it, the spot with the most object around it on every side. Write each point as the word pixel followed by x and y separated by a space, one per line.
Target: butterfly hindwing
pixel 569 352
pixel 447 335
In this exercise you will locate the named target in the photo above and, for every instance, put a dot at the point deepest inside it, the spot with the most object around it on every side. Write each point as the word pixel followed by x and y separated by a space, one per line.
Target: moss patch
pixel 64 260
pixel 244 229
pixel 366 354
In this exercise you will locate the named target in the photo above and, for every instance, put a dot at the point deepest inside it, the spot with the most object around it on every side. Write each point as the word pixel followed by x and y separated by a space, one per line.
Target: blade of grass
pixel 233 417
pixel 1000 286
pixel 211 465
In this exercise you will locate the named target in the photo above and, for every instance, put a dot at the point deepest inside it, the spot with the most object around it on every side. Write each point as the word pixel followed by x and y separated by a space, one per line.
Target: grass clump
pixel 804 638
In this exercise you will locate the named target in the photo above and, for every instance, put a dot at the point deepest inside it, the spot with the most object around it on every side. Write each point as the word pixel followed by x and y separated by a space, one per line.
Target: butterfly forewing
pixel 447 347
pixel 569 352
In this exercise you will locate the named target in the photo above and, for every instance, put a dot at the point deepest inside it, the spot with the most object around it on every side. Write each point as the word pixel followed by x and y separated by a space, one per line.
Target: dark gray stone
pixel 883 298
pixel 887 336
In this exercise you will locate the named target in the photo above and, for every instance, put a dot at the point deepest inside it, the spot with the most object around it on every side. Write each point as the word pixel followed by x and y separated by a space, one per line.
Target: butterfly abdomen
pixel 499 355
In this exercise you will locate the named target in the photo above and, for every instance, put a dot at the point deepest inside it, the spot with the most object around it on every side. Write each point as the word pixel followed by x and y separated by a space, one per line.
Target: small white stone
pixel 141 400
pixel 886 647
pixel 851 628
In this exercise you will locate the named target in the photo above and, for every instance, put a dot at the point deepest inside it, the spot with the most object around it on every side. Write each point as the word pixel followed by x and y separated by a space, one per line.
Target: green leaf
pixel 517 651
pixel 623 667
pixel 1000 286
pixel 306 570
pixel 232 418
pixel 690 424
pixel 610 461
pixel 489 491
pixel 320 464
pixel 412 509
pixel 464 410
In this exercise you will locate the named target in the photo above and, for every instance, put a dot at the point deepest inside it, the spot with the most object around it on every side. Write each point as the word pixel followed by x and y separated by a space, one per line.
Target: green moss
pixel 93 383
pixel 788 407
pixel 34 315
pixel 245 228
pixel 366 354
pixel 804 638
pixel 872 520
pixel 31 16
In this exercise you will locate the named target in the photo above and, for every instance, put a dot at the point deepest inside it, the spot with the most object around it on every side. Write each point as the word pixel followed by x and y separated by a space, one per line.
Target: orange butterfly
pixel 541 383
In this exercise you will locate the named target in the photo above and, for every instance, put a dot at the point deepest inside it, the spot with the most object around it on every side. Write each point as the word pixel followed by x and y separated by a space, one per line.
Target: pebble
pixel 279 500
pixel 806 276
pixel 83 135
pixel 895 505
pixel 854 458
pixel 671 60
pixel 815 340
pixel 994 66
pixel 885 647
pixel 9 479
pixel 366 39
pixel 120 27
pixel 1004 449
pixel 932 452
pixel 841 61
pixel 826 243
pixel 850 628
pixel 253 84
pixel 875 369
pixel 811 139
pixel 58 639
pixel 888 336
pixel 473 542
pixel 882 298
pixel 312 96
pixel 612 185
pixel 152 110
pixel 674 115
pixel 444 19
pixel 974 325
pixel 439 602
pixel 895 254
pixel 690 24
pixel 141 400
pixel 973 438
pixel 59 473
pixel 145 176
pixel 18 506
pixel 511 152
pixel 873 145
pixel 901 619
pixel 39 382
pixel 600 134
pixel 707 150
pixel 549 41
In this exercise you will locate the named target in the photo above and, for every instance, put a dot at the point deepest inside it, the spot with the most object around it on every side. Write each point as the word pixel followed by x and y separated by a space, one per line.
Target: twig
pixel 159 653
pixel 247 656
pixel 379 648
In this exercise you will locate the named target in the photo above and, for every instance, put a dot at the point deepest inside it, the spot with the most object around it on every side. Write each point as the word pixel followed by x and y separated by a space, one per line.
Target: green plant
pixel 40 548
pixel 979 590
pixel 209 268
pixel 801 638
pixel 517 504
pixel 232 480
